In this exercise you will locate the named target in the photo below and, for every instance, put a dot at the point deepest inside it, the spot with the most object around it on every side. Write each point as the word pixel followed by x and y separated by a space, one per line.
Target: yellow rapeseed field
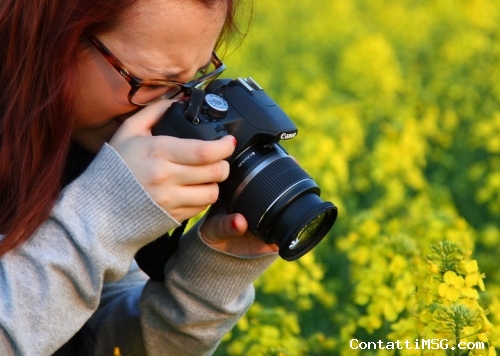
pixel 398 108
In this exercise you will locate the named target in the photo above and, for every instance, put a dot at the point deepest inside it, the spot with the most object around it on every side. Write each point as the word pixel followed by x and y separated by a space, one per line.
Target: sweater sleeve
pixel 52 284
pixel 204 294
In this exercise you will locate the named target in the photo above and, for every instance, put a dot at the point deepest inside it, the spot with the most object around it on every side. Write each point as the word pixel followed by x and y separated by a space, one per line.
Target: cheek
pixel 101 93
pixel 101 96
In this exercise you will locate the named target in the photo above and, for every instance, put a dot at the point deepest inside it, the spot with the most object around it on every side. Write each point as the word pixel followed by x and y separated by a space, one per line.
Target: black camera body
pixel 250 115
pixel 277 197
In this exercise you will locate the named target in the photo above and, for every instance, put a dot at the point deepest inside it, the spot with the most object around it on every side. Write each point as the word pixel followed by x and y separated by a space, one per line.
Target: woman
pixel 71 220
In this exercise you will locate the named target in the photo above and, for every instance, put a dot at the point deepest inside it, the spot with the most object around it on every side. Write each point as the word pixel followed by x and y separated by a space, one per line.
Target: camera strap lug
pixel 195 105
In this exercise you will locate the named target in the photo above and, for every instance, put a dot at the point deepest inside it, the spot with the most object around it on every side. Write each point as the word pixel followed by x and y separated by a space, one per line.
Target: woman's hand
pixel 180 175
pixel 229 233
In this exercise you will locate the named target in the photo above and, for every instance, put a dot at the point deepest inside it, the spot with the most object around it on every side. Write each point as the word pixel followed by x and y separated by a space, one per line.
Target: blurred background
pixel 398 108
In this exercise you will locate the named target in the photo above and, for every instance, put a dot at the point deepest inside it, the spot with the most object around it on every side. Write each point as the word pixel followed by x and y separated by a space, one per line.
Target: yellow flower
pixel 482 337
pixel 451 287
pixel 473 278
pixel 428 290
pixel 469 293
pixel 434 268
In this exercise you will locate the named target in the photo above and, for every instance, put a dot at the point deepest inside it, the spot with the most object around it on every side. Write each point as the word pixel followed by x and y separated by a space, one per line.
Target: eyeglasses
pixel 146 91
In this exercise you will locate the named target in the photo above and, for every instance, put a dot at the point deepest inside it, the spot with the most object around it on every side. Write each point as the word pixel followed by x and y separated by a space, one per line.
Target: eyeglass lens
pixel 149 93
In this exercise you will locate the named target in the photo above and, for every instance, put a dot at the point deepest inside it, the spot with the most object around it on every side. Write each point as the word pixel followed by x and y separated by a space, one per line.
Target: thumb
pixel 141 123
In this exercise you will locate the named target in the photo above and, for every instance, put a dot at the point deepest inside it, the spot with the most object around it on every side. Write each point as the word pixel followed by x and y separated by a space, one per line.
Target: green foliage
pixel 397 104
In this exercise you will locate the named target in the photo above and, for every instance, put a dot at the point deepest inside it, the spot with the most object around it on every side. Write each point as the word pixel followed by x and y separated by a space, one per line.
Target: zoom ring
pixel 269 184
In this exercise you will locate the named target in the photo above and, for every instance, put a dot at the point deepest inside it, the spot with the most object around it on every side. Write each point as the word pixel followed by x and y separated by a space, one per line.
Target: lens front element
pixel 304 222
pixel 308 232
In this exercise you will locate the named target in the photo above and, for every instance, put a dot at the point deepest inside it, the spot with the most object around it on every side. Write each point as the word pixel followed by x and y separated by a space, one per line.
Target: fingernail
pixel 233 223
pixel 235 141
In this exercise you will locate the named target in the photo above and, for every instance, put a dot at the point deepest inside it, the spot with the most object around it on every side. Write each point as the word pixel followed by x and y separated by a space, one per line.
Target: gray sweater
pixel 77 269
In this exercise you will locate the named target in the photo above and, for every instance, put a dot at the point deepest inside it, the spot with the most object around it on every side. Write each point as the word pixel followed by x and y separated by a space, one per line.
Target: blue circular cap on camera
pixel 217 106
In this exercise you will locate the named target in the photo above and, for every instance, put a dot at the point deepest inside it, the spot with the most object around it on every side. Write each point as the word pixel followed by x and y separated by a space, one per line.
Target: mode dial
pixel 216 106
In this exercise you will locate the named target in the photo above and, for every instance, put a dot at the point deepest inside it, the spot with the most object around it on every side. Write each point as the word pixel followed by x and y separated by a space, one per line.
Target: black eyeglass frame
pixel 136 83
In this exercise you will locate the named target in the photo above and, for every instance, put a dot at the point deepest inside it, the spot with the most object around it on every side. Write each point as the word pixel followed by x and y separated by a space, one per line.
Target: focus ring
pixel 259 194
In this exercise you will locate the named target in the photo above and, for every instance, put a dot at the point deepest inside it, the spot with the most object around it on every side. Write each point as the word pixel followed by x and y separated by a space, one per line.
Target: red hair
pixel 39 45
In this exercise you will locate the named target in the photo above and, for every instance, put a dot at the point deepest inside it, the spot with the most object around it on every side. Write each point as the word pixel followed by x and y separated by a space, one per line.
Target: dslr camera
pixel 280 201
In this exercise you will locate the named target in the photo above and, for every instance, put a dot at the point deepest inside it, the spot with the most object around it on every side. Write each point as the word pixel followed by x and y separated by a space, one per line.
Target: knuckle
pixel 157 175
pixel 157 148
pixel 220 171
pixel 213 194
pixel 202 152
pixel 226 169
pixel 165 202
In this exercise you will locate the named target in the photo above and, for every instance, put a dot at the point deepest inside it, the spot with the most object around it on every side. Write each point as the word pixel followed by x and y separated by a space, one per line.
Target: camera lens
pixel 279 200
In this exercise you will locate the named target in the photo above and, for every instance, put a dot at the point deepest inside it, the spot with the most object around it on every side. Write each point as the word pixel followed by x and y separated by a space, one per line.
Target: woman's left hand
pixel 228 233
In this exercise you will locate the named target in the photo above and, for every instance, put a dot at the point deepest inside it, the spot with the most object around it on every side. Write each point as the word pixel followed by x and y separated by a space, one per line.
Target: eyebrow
pixel 175 76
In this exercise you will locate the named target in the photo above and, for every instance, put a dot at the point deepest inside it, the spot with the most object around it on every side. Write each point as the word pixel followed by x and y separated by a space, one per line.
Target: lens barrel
pixel 279 200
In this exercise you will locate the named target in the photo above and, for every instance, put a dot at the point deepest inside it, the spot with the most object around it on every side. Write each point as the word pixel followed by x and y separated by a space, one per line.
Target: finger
pixel 194 152
pixel 219 228
pixel 201 195
pixel 192 175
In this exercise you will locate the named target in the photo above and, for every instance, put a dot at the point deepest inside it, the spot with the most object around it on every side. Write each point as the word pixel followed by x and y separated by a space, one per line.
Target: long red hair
pixel 39 44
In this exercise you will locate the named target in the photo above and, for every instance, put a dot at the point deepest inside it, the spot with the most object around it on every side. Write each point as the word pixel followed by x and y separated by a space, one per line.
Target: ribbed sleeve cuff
pixel 218 276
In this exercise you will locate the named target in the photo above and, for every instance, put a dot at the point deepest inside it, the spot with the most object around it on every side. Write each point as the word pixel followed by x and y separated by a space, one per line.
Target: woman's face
pixel 155 39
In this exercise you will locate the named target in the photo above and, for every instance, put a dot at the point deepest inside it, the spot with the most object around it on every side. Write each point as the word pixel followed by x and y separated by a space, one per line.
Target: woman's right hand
pixel 180 175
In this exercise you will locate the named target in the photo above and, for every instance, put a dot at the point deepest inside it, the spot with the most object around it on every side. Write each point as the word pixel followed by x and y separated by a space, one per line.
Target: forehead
pixel 166 35
pixel 155 17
